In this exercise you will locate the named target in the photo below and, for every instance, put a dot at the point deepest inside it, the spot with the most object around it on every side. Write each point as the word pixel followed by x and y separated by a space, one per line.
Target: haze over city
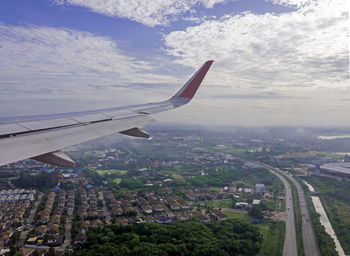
pixel 277 62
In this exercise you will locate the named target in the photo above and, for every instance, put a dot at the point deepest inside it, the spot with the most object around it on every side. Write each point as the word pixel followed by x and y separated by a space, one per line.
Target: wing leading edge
pixel 42 137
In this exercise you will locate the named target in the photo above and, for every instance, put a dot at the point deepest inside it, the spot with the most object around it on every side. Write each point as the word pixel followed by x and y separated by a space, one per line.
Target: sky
pixel 276 62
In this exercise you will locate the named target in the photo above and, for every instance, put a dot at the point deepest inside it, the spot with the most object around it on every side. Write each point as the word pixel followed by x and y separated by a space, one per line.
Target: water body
pixel 324 220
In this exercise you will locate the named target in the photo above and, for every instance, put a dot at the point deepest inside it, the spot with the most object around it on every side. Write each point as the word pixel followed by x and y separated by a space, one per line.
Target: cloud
pixel 52 63
pixel 149 13
pixel 255 96
pixel 297 3
pixel 304 49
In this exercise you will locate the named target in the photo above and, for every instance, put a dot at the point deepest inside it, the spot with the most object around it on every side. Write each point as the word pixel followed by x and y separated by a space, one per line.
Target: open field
pixel 238 215
pixel 276 204
pixel 240 150
pixel 116 181
pixel 221 204
pixel 218 189
pixel 111 171
pixel 273 238
pixel 178 176
pixel 338 156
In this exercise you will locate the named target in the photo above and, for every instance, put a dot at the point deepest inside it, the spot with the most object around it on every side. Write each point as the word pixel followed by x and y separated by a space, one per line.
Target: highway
pixel 310 244
pixel 311 247
pixel 290 243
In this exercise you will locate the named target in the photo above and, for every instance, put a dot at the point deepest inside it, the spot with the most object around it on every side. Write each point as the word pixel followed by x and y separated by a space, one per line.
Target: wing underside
pixel 42 137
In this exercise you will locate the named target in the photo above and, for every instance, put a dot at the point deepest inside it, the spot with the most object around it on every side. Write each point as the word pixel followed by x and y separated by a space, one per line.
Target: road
pixel 67 232
pixel 290 243
pixel 311 247
pixel 104 208
pixel 30 219
pixel 310 244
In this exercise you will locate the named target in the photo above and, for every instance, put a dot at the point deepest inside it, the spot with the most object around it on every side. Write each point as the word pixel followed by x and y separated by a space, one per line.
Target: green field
pixel 238 215
pixel 116 181
pixel 273 238
pixel 218 189
pixel 221 204
pixel 338 156
pixel 111 171
pixel 276 204
pixel 240 150
pixel 92 155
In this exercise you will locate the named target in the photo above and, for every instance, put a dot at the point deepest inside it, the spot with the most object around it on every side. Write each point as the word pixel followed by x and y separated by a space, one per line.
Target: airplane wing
pixel 42 137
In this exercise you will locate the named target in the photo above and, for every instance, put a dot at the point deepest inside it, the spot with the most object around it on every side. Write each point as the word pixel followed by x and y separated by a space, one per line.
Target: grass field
pixel 273 238
pixel 92 155
pixel 116 180
pixel 221 204
pixel 111 171
pixel 178 176
pixel 277 204
pixel 218 189
pixel 238 215
pixel 240 150
pixel 338 156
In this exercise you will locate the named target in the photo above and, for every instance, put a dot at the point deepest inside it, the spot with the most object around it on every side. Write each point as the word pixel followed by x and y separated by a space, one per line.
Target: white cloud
pixel 150 12
pixel 303 49
pixel 297 3
pixel 45 63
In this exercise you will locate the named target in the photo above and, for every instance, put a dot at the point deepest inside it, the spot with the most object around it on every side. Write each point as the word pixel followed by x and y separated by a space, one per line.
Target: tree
pixel 256 212
pixel 230 237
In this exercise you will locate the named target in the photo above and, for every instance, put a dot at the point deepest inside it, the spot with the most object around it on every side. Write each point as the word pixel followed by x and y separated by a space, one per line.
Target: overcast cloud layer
pixel 288 68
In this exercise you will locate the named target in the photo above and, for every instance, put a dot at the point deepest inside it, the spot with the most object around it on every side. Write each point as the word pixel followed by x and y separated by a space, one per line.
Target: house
pixel 163 219
pixel 218 215
pixel 232 187
pixel 241 205
pixel 79 239
pixel 148 218
pixel 260 189
pixel 256 202
pixel 123 222
pixel 31 240
pixel 201 217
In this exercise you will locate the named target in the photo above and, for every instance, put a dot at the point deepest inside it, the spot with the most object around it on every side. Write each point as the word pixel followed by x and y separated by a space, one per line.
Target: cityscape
pixel 174 128
pixel 200 177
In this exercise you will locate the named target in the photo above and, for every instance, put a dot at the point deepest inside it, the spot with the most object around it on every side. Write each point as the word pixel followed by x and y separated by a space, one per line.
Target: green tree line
pixel 231 237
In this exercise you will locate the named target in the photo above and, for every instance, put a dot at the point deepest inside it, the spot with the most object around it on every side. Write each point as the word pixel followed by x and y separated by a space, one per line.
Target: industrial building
pixel 340 169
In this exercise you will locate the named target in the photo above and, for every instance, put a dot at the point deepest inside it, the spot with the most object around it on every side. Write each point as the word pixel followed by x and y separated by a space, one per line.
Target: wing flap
pixel 56 158
pixel 6 129
pixel 47 124
pixel 91 118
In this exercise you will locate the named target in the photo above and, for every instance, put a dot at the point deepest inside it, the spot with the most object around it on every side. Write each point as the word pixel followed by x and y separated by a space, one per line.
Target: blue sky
pixel 277 62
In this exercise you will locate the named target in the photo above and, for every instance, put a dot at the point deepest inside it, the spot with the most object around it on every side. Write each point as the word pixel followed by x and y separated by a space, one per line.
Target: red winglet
pixel 191 87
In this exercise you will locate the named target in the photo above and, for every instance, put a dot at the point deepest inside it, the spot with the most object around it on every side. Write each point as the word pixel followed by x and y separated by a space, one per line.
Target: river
pixel 324 219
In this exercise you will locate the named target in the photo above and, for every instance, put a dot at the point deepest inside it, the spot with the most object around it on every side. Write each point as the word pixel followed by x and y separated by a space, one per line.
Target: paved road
pixel 30 219
pixel 290 242
pixel 104 208
pixel 67 232
pixel 310 244
pixel 311 247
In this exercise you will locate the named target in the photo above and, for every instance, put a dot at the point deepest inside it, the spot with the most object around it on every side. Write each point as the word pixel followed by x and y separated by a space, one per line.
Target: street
pixel 290 243
pixel 311 247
